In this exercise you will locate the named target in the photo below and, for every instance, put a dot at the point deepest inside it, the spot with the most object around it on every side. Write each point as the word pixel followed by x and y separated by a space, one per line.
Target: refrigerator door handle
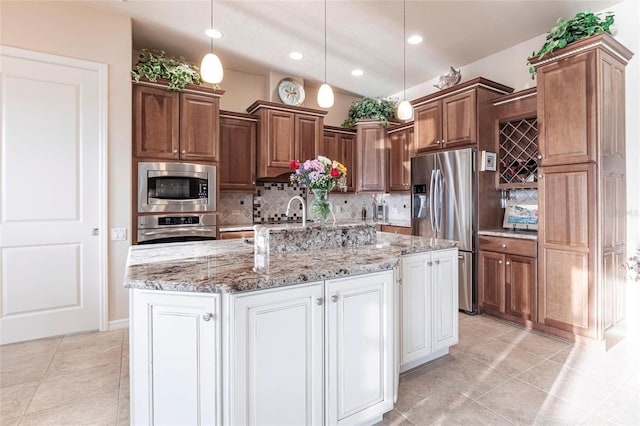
pixel 438 199
pixel 432 217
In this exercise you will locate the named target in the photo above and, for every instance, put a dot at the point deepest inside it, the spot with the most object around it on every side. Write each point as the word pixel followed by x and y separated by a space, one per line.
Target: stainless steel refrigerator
pixel 444 188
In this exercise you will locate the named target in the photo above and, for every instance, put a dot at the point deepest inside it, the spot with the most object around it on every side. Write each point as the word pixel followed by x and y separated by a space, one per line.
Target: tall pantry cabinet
pixel 582 187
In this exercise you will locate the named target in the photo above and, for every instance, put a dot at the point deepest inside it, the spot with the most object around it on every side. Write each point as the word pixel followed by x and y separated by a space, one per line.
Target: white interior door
pixel 50 209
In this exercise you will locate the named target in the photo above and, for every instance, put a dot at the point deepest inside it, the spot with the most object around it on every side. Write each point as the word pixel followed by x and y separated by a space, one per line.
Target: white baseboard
pixel 118 324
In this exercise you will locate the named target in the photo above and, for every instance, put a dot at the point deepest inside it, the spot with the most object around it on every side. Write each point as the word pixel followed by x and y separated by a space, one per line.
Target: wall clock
pixel 290 92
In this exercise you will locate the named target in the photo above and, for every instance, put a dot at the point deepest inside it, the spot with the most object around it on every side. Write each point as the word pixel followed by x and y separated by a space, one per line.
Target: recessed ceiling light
pixel 357 73
pixel 296 56
pixel 414 39
pixel 213 33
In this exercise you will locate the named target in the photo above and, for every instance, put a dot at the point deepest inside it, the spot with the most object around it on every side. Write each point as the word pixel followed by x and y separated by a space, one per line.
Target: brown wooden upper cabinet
pixel 175 125
pixel 371 156
pixel 340 144
pixel 401 149
pixel 451 118
pixel 286 133
pixel 238 139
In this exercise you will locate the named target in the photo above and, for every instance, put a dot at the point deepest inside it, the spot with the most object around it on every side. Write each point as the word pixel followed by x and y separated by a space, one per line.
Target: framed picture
pixel 521 215
pixel 488 161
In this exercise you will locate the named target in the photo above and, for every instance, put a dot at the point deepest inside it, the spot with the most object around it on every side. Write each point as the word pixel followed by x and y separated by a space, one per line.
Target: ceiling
pixel 365 34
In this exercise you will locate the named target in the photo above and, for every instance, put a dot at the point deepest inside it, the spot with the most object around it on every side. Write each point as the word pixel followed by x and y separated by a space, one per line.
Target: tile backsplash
pixel 269 202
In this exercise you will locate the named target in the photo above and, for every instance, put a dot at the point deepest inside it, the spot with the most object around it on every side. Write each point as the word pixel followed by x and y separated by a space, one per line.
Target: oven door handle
pixel 176 231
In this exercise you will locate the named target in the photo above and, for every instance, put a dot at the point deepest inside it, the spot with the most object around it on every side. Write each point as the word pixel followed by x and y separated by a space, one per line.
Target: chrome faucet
pixel 304 208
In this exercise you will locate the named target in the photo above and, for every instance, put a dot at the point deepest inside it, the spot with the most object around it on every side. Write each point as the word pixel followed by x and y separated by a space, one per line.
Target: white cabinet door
pixel 276 359
pixel 359 347
pixel 445 298
pixel 416 307
pixel 175 358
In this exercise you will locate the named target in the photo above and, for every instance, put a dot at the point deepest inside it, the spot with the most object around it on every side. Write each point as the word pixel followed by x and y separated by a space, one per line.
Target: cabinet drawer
pixel 235 234
pixel 508 245
pixel 404 230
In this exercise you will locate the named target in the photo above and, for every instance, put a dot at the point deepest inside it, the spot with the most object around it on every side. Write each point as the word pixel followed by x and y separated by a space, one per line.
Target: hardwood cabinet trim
pixel 189 88
pixel 475 83
pixel 257 105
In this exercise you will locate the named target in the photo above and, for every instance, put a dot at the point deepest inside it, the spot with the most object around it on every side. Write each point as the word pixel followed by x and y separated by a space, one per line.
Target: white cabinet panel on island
pixel 175 358
pixel 429 305
pixel 276 360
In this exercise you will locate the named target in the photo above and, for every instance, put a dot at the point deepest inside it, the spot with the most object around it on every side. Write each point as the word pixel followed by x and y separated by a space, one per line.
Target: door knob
pixel 499 262
pixel 504 245
pixel 175 151
pixel 429 263
pixel 207 316
pixel 184 151
pixel 319 300
pixel 437 262
pixel 508 263
pixel 334 298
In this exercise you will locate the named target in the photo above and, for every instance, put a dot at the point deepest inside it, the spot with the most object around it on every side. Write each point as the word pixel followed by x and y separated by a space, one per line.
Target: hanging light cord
pixel 404 50
pixel 211 26
pixel 325 41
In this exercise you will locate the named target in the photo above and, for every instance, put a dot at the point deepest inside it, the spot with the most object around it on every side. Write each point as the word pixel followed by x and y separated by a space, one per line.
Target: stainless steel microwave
pixel 176 187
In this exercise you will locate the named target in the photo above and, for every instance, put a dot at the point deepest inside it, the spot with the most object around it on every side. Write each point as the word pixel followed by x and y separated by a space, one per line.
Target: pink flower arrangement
pixel 319 173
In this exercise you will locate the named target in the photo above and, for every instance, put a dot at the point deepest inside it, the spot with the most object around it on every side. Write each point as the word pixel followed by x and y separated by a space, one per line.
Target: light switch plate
pixel 118 234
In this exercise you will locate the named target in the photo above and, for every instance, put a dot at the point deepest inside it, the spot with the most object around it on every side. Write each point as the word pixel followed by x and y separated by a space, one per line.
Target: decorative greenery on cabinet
pixel 583 25
pixel 383 109
pixel 154 65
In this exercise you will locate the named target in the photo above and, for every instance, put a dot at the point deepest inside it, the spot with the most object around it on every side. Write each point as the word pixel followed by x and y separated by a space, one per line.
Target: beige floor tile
pixel 83 359
pixel 503 357
pixel 450 407
pixel 95 412
pixel 393 418
pixel 522 403
pixel 572 385
pixel 31 368
pixel 9 422
pixel 468 376
pixel 96 340
pixel 623 408
pixel 537 344
pixel 15 399
pixel 98 383
pixel 26 349
pixel 594 420
pixel 615 367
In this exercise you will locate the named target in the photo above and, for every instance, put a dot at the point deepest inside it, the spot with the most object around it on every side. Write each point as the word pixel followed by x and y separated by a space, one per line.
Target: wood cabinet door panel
pixel 308 132
pixel 199 117
pixel 428 126
pixel 237 154
pixel 156 113
pixel 371 159
pixel 567 111
pixel 348 144
pixel 491 280
pixel 399 161
pixel 521 282
pixel 459 119
pixel 281 141
pixel 330 146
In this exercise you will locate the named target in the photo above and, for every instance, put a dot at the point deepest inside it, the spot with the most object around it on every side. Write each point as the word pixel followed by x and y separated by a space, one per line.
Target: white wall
pixel 509 67
pixel 67 29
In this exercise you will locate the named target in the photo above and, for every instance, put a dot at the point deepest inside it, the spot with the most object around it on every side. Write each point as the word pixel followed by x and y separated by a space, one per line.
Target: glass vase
pixel 320 207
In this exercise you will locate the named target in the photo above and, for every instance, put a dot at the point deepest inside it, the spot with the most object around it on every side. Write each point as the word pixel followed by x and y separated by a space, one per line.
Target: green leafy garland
pixel 152 64
pixel 381 109
pixel 567 31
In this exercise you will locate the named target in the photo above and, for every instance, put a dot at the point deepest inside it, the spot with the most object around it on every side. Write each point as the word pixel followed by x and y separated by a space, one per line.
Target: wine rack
pixel 518 153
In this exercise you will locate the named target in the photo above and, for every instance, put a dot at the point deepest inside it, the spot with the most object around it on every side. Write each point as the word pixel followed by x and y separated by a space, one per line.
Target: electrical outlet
pixel 118 234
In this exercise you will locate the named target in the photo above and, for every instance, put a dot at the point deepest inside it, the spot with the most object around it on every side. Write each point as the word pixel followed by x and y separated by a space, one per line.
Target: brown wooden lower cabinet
pixel 508 282
pixel 231 235
pixel 404 230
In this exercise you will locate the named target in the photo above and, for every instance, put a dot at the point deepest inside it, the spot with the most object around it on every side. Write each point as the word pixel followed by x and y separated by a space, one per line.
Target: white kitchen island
pixel 318 337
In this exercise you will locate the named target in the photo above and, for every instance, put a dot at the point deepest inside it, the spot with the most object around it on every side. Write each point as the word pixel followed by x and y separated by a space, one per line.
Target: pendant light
pixel 211 67
pixel 325 93
pixel 405 110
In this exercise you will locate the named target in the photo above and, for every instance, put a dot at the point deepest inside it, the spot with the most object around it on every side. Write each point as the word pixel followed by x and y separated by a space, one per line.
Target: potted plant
pixel 583 25
pixel 382 109
pixel 154 65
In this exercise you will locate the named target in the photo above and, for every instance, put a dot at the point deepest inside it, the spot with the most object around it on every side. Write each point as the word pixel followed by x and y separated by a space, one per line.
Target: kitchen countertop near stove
pixel 509 233
pixel 227 266
pixel 249 226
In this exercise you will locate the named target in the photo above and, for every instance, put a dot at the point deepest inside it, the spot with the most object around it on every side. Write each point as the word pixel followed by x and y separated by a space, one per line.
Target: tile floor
pixel 497 374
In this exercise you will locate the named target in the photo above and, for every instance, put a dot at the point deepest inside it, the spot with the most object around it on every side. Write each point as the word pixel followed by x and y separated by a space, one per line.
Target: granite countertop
pixel 510 233
pixel 249 226
pixel 228 266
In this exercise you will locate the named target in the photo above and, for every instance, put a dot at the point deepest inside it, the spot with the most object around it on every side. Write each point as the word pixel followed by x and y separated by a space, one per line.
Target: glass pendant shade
pixel 325 96
pixel 211 69
pixel 405 111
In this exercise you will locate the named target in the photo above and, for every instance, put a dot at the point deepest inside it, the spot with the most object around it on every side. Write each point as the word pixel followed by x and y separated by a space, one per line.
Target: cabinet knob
pixel 334 298
pixel 175 151
pixel 437 262
pixel 319 301
pixel 207 316
pixel 499 262
pixel 540 176
pixel 438 142
pixel 508 263
pixel 184 151
pixel 429 263
pixel 539 156
pixel 504 245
